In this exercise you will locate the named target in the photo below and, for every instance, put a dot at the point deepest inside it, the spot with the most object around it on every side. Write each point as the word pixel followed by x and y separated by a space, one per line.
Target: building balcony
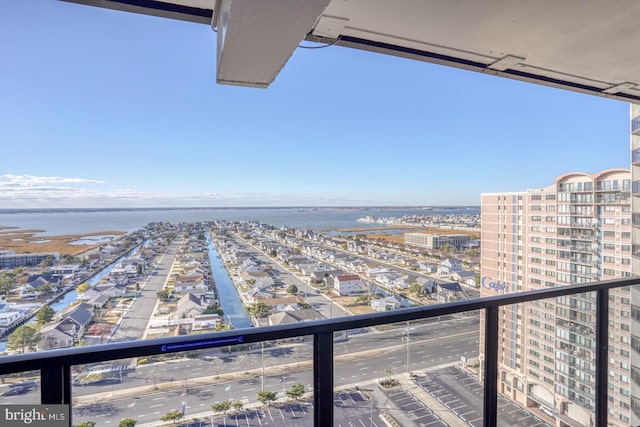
pixel 635 125
pixel 59 383
pixel 587 224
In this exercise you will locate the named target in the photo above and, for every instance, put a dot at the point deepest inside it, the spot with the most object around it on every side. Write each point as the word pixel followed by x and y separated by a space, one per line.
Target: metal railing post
pixel 55 383
pixel 323 379
pixel 602 356
pixel 490 414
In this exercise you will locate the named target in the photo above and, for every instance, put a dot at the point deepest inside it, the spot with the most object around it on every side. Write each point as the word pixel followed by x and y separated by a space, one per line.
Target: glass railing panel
pixel 449 381
pixel 20 388
pixel 400 373
pixel 212 385
pixel 526 364
pixel 547 361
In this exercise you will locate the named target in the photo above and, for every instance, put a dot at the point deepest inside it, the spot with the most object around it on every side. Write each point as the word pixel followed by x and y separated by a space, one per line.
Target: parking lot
pixel 414 409
pixel 352 408
pixel 461 393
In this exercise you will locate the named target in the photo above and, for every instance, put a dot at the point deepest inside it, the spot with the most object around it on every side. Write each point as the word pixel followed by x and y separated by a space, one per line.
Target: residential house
pixel 98 301
pixel 448 291
pixel 284 317
pixel 427 266
pixel 348 284
pixel 450 266
pixel 463 275
pixel 80 314
pixel 9 318
pixel 429 285
pixel 280 303
pixel 57 335
pixel 385 304
pixel 255 295
pixel 40 284
pixel 205 321
pixel 189 306
pixel 263 283
pixel 112 290
pixel 183 288
pixel 89 294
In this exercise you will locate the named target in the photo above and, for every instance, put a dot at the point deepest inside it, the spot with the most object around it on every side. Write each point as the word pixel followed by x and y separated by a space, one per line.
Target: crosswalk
pixel 112 368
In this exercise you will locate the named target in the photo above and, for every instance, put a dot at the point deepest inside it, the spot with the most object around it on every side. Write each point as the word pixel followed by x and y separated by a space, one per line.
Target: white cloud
pixel 28 192
pixel 10 180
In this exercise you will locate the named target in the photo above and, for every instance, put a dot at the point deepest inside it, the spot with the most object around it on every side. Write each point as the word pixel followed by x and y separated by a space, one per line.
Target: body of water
pixel 234 312
pixel 55 223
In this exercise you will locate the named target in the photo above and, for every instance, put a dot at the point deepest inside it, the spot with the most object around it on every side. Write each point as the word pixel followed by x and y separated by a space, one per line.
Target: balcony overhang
pixel 256 38
pixel 588 46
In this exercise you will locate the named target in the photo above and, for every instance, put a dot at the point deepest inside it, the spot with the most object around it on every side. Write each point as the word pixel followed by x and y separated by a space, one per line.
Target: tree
pixel 86 424
pixel 83 287
pixel 292 289
pixel 296 391
pixel 214 309
pixel 127 422
pixel 266 397
pixel 238 405
pixel 258 310
pixel 416 289
pixel 44 315
pixel 7 281
pixel 48 261
pixel 223 406
pixel 223 327
pixel 99 329
pixel 447 248
pixel 25 337
pixel 388 381
pixel 172 416
pixel 364 299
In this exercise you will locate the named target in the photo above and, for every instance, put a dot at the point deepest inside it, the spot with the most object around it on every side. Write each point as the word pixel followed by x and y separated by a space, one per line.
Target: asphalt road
pixel 134 321
pixel 359 361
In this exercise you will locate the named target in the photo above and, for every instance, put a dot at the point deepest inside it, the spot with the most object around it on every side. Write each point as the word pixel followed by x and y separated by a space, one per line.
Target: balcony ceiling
pixel 589 46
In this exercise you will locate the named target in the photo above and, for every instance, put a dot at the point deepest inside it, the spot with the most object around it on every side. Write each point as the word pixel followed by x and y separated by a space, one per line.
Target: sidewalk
pixel 430 402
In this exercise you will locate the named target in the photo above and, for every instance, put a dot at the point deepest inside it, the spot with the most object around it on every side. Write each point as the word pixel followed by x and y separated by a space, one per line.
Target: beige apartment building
pixel 435 241
pixel 577 230
pixel 635 263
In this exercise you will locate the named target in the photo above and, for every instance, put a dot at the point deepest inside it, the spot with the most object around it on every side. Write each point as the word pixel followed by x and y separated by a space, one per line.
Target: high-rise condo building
pixel 635 264
pixel 577 230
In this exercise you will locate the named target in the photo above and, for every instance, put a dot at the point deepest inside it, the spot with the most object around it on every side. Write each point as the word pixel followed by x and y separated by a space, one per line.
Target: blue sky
pixel 104 108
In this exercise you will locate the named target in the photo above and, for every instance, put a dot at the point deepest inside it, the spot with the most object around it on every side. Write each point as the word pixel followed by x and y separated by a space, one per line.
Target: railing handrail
pixel 55 365
pixel 141 348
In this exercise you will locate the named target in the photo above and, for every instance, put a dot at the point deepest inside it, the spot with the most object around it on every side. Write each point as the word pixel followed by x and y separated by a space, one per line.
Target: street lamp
pixel 262 354
pixel 408 339
pixel 371 409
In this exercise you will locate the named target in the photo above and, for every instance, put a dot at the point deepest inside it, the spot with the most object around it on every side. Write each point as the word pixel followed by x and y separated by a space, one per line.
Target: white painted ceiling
pixel 590 46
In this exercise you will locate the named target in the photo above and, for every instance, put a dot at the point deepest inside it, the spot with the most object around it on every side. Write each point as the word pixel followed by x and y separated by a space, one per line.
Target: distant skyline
pixel 100 108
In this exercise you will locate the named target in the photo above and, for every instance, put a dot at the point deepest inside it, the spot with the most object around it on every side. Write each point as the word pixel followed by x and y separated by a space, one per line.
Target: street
pixel 215 376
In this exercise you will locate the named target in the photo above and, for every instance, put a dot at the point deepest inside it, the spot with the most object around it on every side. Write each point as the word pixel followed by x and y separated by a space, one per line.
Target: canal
pixel 230 301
